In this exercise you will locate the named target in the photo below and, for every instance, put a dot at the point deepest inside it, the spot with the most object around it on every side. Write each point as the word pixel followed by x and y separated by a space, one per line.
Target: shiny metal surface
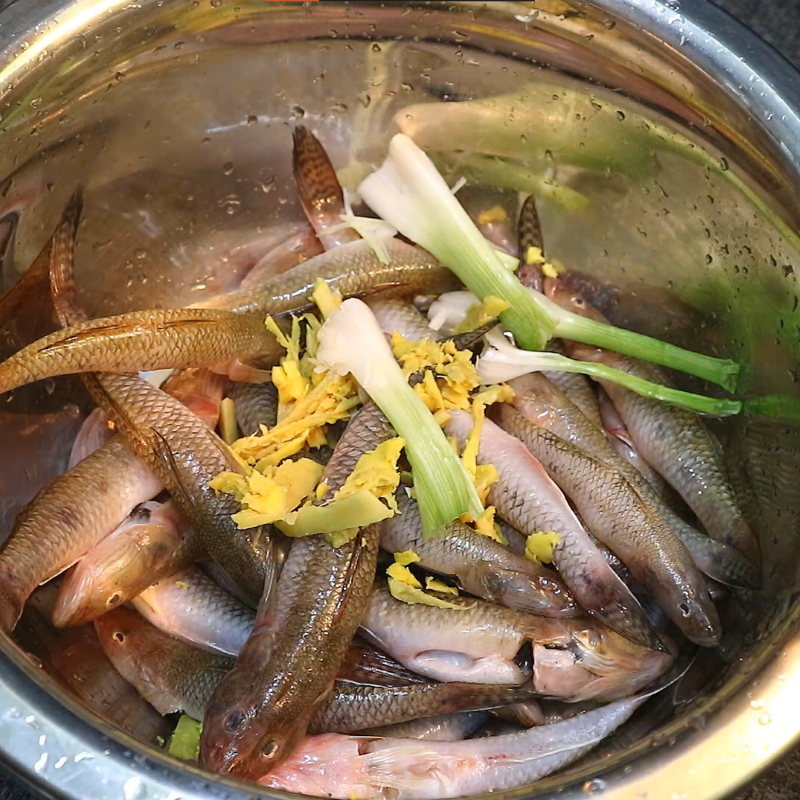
pixel 672 138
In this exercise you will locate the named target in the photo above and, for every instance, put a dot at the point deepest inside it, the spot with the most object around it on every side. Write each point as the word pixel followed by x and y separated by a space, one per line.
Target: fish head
pixel 248 732
pixel 571 299
pixel 692 609
pixel 596 664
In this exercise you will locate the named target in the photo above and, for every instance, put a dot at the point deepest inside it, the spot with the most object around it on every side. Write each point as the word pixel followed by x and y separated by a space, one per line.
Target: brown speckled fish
pixel 672 440
pixel 174 442
pixel 285 672
pixel 319 190
pixel 628 525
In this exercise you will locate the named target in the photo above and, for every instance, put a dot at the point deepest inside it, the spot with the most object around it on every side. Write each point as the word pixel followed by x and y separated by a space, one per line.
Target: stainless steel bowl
pixel 665 142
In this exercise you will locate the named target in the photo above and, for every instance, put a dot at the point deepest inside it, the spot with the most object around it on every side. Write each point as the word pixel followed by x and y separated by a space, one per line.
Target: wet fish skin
pixel 621 441
pixel 285 672
pixel 186 455
pixel 672 440
pixel 484 567
pixel 618 516
pixel 527 497
pixel 353 269
pixel 546 406
pixel 477 644
pixel 155 540
pixel 139 341
pixel 355 768
pixel 257 725
pixel 395 314
pixel 190 606
pixel 173 441
pixel 255 404
pixel 169 674
pixel 444 728
pixel 65 520
pixel 359 707
pixel 318 188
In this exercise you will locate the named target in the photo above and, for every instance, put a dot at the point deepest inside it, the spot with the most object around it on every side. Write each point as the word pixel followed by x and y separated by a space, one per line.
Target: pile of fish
pixel 307 671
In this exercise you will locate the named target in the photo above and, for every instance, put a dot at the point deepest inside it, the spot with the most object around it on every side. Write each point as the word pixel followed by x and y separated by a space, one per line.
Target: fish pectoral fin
pixel 163 451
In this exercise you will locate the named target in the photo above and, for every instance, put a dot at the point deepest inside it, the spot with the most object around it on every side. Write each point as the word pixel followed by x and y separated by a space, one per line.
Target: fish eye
pixel 114 599
pixel 235 720
pixel 119 636
pixel 684 609
pixel 269 749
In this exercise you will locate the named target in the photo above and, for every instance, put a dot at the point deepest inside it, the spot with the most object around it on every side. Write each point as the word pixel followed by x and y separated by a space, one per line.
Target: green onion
pixel 412 196
pixel 351 341
pixel 185 740
pixel 504 362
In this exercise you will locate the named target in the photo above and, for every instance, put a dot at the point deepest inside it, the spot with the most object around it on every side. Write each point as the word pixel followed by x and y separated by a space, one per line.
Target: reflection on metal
pixel 663 163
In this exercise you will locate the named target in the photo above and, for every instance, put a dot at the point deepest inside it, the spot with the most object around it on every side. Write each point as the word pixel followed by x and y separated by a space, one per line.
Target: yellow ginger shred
pixel 367 496
pixel 376 471
pixel 539 546
pixel 406 557
pixel 269 496
pixel 534 255
pixel 405 587
pixel 492 215
pixel 417 596
pixel 479 314
pixel 402 574
pixel 435 585
pixel 326 299
pixel 330 401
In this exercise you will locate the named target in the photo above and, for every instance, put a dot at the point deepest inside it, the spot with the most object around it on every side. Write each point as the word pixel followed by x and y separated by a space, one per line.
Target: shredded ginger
pixel 405 587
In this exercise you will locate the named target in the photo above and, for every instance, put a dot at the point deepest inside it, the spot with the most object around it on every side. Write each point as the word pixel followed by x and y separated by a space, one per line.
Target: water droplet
pixel 723 164
pixel 49 387
pixel 140 253
pixel 41 763
pixel 672 5
pixel 407 87
pixel 548 154
pixel 252 119
pixel 756 705
pixel 227 168
pixel 376 48
pixel 620 115
pixel 364 99
pixel 36 102
pixel 339 108
pixel 133 789
pixel 764 718
pixel 216 3
pixel 609 24
pixel 594 786
pixel 298 112
pixel 119 76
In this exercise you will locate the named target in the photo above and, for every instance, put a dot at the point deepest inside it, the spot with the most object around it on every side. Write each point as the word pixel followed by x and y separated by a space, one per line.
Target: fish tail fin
pixel 530 235
pixel 62 264
pixel 317 184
